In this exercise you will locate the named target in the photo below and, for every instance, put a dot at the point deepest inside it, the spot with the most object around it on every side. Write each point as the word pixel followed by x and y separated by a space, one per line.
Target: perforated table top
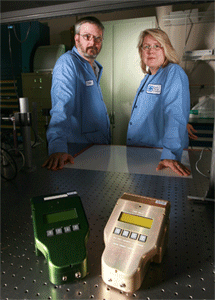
pixel 186 271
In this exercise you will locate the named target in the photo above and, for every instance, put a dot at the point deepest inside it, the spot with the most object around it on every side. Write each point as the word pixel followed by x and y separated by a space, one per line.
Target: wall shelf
pixel 188 17
pixel 199 58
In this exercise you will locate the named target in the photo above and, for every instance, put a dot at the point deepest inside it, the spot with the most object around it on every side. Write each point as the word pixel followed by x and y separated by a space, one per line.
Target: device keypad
pixel 132 235
pixel 75 227
pixel 67 229
pixel 60 230
pixel 50 232
pixel 125 233
pixel 142 238
pixel 117 231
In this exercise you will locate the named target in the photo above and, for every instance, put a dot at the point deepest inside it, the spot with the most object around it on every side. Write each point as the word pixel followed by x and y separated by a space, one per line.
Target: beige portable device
pixel 135 235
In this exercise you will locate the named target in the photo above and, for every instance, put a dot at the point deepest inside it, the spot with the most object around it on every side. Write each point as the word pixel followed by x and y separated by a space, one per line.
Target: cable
pixel 23 157
pixel 14 30
pixel 158 27
pixel 5 140
pixel 35 137
pixel 189 31
pixel 10 50
pixel 196 165
pixel 7 147
pixel 11 62
pixel 7 161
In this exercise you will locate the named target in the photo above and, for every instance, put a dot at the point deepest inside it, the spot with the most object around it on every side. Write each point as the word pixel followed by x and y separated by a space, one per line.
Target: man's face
pixel 89 49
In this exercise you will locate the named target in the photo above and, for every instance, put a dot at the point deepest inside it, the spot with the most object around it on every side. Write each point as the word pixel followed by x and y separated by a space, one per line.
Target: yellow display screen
pixel 136 220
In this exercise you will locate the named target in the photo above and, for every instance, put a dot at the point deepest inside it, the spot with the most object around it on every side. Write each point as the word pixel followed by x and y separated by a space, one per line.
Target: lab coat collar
pixel 147 79
pixel 158 71
pixel 87 64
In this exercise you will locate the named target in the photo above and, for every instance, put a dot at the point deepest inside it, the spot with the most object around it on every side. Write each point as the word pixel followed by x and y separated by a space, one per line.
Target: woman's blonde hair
pixel 161 36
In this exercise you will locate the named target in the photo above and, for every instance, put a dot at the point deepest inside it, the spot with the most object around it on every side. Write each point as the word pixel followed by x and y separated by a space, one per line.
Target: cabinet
pixel 122 73
pixel 205 128
pixel 36 87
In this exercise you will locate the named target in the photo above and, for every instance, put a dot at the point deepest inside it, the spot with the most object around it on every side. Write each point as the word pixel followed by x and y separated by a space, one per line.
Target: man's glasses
pixel 154 47
pixel 89 37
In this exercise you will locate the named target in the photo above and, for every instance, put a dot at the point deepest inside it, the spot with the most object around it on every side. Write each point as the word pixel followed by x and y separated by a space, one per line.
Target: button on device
pixel 75 227
pixel 58 231
pixel 117 231
pixel 125 233
pixel 50 233
pixel 142 238
pixel 67 229
pixel 133 236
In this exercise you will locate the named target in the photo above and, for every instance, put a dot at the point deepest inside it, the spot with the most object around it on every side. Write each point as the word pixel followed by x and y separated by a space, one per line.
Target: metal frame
pixel 75 8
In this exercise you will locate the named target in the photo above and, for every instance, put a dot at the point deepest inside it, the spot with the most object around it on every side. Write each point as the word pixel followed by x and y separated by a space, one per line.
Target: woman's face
pixel 152 57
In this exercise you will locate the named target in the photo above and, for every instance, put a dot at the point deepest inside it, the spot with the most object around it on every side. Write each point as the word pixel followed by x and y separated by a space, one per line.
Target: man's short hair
pixel 89 19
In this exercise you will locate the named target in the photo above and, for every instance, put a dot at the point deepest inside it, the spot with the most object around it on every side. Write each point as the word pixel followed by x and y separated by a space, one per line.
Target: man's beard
pixel 85 54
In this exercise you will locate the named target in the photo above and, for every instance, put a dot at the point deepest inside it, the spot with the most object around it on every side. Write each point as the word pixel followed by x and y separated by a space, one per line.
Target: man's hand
pixel 56 161
pixel 174 165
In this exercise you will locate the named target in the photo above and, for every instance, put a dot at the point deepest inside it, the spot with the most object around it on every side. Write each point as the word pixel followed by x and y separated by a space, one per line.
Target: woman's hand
pixel 175 166
pixel 190 130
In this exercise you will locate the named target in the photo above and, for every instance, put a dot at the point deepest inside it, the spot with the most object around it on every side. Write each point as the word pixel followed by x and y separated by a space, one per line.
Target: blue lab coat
pixel 160 112
pixel 78 113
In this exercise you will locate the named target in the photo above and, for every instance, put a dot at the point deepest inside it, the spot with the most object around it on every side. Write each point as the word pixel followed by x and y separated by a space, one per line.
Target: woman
pixel 161 107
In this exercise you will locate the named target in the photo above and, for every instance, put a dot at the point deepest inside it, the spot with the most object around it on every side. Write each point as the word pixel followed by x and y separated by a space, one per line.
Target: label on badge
pixel 89 83
pixel 154 89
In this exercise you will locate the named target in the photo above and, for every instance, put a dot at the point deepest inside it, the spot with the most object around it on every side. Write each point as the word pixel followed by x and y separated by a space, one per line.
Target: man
pixel 78 113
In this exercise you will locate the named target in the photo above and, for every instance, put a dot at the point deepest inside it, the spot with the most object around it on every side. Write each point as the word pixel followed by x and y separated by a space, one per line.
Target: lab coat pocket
pixel 94 116
pixel 151 125
pixel 92 110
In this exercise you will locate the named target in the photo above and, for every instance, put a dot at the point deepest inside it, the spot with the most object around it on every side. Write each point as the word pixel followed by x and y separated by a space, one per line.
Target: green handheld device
pixel 61 232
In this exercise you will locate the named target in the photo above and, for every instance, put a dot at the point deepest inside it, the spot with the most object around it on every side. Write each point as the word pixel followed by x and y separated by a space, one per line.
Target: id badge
pixel 154 89
pixel 89 83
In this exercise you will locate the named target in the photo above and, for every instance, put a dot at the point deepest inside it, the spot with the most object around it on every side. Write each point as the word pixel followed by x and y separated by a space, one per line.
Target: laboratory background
pixel 106 183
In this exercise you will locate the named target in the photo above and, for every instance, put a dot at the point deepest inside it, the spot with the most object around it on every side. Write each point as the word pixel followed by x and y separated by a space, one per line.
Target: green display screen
pixel 61 216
